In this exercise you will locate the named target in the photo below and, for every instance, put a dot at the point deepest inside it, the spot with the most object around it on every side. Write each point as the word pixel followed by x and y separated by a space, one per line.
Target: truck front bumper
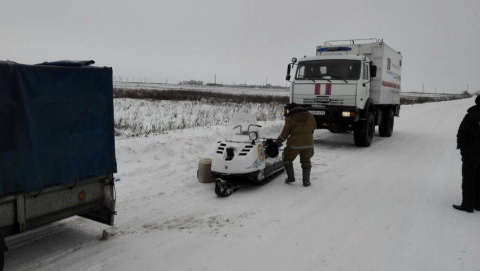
pixel 335 114
pixel 328 116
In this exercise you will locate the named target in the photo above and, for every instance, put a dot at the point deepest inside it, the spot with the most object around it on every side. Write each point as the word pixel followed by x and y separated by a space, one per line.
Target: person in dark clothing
pixel 298 131
pixel 468 141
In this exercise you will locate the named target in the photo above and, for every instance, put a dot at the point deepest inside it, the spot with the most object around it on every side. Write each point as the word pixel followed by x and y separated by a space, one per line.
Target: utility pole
pixel 215 82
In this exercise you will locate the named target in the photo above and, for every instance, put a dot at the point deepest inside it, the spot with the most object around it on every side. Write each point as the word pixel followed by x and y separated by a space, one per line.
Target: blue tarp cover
pixel 71 63
pixel 56 125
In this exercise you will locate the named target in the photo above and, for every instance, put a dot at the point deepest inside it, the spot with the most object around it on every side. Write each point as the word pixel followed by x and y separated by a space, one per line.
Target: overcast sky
pixel 243 41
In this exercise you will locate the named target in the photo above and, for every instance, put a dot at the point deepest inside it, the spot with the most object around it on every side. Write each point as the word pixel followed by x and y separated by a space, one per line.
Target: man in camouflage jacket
pixel 298 131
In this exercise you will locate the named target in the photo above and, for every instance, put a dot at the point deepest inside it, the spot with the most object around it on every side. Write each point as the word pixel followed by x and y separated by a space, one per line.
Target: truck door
pixel 366 81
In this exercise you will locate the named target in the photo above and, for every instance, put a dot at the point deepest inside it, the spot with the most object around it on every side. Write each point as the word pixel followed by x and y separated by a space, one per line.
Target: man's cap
pixel 292 106
pixel 477 100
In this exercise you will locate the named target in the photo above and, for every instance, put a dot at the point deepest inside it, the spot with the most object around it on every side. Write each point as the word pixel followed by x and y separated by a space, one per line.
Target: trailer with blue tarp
pixel 57 145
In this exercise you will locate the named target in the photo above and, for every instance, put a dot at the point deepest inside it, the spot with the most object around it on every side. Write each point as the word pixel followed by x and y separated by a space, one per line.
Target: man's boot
pixel 477 204
pixel 463 208
pixel 477 195
pixel 291 177
pixel 468 201
pixel 306 176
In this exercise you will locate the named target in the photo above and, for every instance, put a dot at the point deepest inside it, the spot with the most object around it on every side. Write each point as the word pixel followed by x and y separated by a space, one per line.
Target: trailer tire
pixel 386 127
pixel 363 133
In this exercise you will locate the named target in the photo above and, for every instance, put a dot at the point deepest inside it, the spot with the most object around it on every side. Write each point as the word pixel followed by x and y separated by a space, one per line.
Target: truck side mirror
pixel 373 71
pixel 289 67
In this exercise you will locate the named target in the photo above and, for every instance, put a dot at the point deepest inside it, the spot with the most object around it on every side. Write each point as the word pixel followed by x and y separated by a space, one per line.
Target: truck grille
pixel 325 101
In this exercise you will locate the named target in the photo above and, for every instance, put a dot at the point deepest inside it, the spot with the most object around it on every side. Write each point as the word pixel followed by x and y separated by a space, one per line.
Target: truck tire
pixel 386 127
pixel 2 260
pixel 3 248
pixel 363 133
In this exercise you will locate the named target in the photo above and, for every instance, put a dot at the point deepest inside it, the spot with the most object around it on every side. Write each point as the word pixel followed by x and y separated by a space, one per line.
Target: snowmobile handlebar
pixel 248 129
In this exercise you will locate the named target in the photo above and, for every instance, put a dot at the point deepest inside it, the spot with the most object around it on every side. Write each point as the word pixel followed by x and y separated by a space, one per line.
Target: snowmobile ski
pixel 224 188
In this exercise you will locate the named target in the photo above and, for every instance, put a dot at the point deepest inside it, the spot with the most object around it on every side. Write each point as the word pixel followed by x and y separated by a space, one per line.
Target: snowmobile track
pixel 225 188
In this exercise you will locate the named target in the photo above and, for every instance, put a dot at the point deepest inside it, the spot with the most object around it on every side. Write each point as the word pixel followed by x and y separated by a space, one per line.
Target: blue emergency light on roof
pixel 333 49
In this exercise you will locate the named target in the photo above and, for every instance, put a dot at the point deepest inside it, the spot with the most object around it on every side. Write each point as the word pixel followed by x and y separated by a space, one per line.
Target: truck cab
pixel 340 86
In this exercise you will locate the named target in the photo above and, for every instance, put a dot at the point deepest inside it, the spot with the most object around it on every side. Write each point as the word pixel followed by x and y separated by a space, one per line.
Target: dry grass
pixel 146 111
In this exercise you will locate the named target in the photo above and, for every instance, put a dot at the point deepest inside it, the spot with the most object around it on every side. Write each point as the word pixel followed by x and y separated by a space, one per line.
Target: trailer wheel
pixel 386 128
pixel 363 133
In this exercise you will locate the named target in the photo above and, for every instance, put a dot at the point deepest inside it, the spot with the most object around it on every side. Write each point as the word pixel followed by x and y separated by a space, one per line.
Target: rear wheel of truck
pixel 363 133
pixel 3 248
pixel 386 128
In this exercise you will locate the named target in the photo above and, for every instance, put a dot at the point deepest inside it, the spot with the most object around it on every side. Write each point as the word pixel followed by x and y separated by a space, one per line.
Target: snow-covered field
pixel 386 207
pixel 145 116
pixel 138 117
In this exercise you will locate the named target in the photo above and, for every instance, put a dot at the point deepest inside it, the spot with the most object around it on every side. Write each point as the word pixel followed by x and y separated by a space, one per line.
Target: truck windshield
pixel 329 69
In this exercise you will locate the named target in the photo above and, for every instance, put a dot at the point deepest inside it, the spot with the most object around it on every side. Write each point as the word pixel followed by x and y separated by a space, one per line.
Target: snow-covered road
pixel 386 207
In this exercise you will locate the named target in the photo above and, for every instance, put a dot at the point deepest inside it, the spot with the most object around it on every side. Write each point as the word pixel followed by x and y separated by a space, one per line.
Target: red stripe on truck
pixel 328 89
pixel 317 89
pixel 390 85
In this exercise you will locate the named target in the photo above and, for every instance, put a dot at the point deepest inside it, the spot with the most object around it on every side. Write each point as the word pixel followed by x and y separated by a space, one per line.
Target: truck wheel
pixel 386 128
pixel 363 133
pixel 3 248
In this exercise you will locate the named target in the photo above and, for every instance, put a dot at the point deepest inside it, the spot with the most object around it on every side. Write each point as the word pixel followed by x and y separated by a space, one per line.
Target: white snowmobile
pixel 244 157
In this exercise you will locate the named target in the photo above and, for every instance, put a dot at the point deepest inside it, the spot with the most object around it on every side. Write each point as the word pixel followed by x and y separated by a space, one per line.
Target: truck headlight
pixel 253 136
pixel 348 114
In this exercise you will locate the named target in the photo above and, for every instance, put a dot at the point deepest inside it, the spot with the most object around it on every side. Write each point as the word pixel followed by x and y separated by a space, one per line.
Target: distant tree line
pixel 192 83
